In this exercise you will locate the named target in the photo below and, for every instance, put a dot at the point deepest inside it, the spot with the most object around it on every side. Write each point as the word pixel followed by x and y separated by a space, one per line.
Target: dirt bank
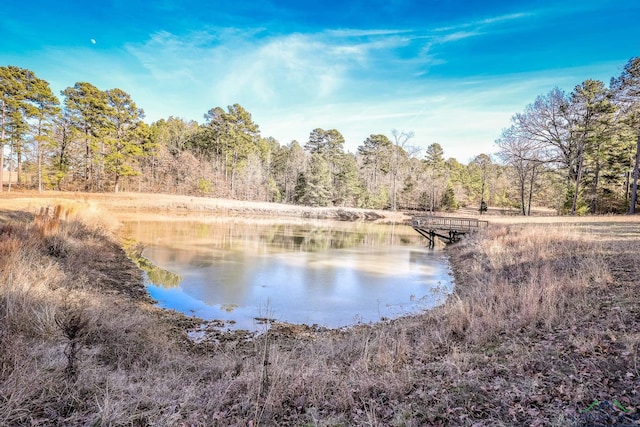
pixel 127 204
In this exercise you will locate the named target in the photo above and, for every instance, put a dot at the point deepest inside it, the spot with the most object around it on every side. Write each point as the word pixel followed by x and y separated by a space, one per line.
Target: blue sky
pixel 452 72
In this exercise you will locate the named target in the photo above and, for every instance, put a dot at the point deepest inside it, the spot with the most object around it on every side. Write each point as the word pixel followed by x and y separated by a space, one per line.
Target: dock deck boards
pixel 448 229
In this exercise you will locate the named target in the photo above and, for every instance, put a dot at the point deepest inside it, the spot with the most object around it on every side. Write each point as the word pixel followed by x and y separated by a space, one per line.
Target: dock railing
pixel 447 229
pixel 448 223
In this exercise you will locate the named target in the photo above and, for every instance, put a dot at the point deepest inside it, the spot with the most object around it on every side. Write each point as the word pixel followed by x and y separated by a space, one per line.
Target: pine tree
pixel 86 107
pixel 126 136
pixel 12 93
pixel 449 202
pixel 347 189
pixel 318 185
pixel 44 109
pixel 627 95
pixel 375 154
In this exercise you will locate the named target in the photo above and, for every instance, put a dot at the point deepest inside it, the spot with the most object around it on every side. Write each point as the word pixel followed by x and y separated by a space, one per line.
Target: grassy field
pixel 544 329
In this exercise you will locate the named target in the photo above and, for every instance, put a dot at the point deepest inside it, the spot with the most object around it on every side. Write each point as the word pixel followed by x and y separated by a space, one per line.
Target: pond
pixel 324 273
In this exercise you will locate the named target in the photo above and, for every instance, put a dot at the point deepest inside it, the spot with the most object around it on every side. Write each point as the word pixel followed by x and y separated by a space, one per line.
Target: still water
pixel 326 273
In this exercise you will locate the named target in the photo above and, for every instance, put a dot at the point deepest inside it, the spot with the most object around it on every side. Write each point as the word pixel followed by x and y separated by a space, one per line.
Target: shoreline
pixel 158 204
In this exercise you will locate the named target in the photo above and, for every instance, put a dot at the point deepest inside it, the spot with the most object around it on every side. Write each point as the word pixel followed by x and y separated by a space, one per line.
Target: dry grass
pixel 524 277
pixel 129 205
pixel 545 320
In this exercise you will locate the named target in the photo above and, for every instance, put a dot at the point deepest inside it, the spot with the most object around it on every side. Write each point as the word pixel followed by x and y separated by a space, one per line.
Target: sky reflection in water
pixel 327 273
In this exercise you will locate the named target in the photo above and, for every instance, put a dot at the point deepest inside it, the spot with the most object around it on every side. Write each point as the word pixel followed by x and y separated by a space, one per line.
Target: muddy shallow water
pixel 313 272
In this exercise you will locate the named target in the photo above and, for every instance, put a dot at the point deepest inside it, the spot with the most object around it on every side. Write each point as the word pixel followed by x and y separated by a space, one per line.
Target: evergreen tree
pixel 348 188
pixel 163 168
pixel 434 158
pixel 437 176
pixel 86 107
pixel 327 143
pixel 289 163
pixel 43 110
pixel 627 94
pixel 61 149
pixel 12 93
pixel 318 185
pixel 27 106
pixel 449 202
pixel 590 118
pixel 127 135
pixel 227 139
pixel 300 188
pixel 376 158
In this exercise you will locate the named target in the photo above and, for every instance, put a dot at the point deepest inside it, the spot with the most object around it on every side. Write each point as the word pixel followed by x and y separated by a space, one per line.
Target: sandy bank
pixel 127 204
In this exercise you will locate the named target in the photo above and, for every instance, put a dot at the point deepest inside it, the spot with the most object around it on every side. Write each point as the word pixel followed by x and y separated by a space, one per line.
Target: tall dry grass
pixel 54 321
pixel 523 276
pixel 78 350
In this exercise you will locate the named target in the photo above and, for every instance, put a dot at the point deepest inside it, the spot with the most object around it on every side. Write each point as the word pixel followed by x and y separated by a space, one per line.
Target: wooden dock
pixel 447 229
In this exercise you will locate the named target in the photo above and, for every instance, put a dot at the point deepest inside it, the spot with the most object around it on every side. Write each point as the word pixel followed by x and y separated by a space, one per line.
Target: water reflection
pixel 156 275
pixel 320 272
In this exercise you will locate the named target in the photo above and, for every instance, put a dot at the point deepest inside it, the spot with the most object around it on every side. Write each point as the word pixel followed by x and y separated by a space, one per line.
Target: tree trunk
pixel 87 156
pixel 39 167
pixel 634 191
pixel 10 165
pixel 574 203
pixel 393 190
pixel 19 166
pixel 394 202
pixel 39 155
pixel 100 173
pixel 233 175
pixel 627 181
pixel 531 184
pixel 2 119
pixel 596 182
pixel 522 192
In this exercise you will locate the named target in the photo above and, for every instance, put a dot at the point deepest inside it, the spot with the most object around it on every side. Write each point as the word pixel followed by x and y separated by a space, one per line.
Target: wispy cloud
pixel 464 115
pixel 365 33
pixel 455 36
pixel 452 75
pixel 484 22
pixel 304 67
pixel 504 18
pixel 246 65
pixel 359 81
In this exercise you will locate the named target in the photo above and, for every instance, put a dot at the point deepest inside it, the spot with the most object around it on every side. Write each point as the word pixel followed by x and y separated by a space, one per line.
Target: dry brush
pixel 82 345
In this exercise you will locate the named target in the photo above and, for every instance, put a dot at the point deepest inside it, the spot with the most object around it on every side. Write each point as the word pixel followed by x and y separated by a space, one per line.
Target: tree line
pixel 573 152
pixel 583 145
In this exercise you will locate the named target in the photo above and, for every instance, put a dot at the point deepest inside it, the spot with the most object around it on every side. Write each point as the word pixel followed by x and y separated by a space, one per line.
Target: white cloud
pixel 365 33
pixel 455 36
pixel 504 18
pixel 484 22
pixel 354 81
pixel 285 70
pixel 465 116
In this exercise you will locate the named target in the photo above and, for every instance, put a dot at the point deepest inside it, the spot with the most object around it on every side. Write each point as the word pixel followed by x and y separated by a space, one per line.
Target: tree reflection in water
pixel 316 272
